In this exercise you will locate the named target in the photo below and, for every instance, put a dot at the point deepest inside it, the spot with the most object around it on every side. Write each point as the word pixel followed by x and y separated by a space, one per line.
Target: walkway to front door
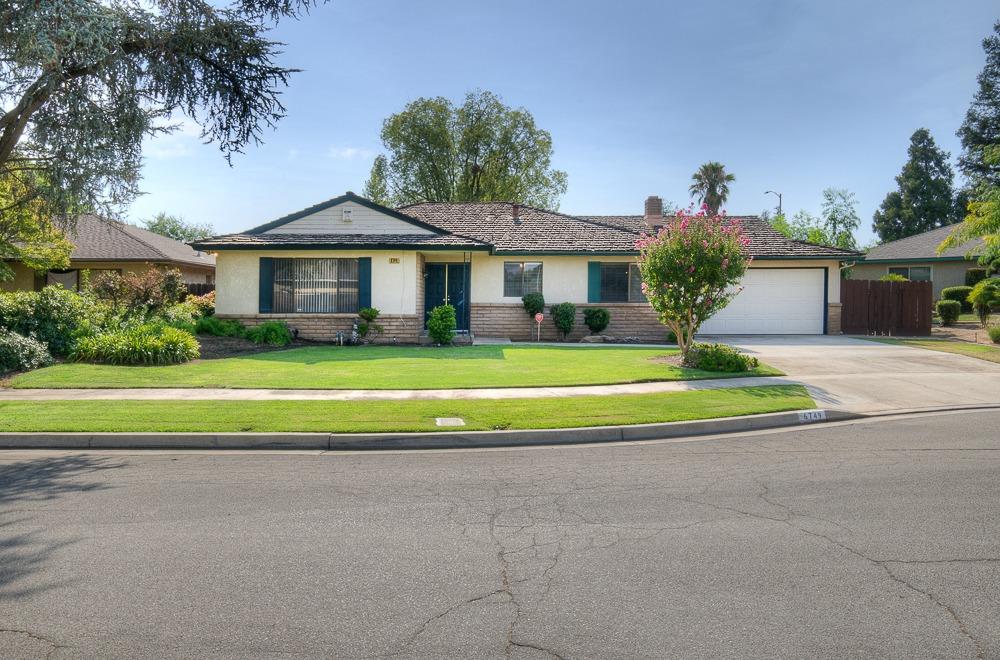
pixel 448 284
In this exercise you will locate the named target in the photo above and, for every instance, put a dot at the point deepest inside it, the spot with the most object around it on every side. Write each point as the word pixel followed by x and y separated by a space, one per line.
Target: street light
pixel 771 192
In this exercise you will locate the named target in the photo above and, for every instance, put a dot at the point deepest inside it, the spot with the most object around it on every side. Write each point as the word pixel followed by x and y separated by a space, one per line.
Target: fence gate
pixel 872 307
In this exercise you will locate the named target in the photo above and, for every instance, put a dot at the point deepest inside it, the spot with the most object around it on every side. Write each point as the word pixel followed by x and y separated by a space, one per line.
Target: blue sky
pixel 793 96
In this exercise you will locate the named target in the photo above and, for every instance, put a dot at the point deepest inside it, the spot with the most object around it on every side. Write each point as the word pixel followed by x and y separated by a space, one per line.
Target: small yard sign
pixel 539 317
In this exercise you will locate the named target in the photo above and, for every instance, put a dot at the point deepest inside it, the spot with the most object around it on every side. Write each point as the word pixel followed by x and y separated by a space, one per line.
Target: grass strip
pixel 978 351
pixel 397 416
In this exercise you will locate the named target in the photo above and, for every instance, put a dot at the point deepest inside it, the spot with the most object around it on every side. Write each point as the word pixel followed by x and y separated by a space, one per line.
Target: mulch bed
pixel 970 332
pixel 214 348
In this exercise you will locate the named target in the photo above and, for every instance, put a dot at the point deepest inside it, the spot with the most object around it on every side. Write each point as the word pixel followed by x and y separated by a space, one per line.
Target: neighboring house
pixel 106 245
pixel 916 259
pixel 314 269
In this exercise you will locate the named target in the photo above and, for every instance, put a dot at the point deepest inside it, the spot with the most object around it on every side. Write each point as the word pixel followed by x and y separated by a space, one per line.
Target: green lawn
pixel 390 367
pixel 980 351
pixel 397 416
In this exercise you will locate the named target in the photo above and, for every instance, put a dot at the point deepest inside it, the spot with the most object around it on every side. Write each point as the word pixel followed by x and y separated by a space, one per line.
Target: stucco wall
pixel 943 273
pixel 564 279
pixel 394 285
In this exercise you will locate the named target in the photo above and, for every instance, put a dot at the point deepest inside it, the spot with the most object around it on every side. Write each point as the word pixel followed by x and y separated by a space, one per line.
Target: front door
pixel 448 284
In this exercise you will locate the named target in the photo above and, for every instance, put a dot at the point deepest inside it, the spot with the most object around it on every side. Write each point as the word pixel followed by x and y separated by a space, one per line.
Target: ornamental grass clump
pixel 148 344
pixel 691 269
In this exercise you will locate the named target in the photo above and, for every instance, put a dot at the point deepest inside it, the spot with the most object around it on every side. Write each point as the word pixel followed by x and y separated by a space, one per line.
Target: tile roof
pixel 491 225
pixel 97 239
pixel 339 241
pixel 923 246
pixel 536 230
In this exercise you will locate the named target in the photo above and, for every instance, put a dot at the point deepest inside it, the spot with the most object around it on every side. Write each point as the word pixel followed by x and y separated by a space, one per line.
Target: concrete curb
pixel 430 440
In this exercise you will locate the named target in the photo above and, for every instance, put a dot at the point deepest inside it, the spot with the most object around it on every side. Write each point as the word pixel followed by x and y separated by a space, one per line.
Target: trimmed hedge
pixel 948 310
pixel 994 332
pixel 441 324
pixel 974 276
pixel 533 303
pixel 564 316
pixel 148 344
pixel 719 357
pixel 959 294
pixel 20 353
pixel 596 318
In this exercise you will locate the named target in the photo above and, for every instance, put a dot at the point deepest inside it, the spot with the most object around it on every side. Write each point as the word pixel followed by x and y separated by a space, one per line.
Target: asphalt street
pixel 857 539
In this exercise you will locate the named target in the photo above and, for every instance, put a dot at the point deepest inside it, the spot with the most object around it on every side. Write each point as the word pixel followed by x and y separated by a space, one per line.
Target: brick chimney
pixel 516 214
pixel 653 212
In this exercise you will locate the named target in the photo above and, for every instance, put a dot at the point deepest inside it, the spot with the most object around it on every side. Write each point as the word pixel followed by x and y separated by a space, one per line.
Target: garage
pixel 774 301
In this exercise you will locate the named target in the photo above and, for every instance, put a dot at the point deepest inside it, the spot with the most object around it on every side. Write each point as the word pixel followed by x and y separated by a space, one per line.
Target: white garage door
pixel 774 301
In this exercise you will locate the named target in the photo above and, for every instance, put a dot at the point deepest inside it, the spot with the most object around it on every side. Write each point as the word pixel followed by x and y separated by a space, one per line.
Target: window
pixel 621 283
pixel 913 273
pixel 521 277
pixel 315 286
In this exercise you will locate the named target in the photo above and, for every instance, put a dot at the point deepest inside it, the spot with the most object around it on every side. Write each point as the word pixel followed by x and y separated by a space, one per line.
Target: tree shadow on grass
pixel 25 549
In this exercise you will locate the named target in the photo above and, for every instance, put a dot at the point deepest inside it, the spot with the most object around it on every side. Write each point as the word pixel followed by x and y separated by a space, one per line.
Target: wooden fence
pixel 200 289
pixel 886 308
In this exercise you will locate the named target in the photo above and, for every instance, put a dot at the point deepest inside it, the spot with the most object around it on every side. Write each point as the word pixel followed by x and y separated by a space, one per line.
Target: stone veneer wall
pixel 833 311
pixel 405 329
pixel 510 320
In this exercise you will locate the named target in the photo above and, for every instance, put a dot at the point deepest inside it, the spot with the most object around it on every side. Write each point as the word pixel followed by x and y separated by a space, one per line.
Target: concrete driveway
pixel 867 376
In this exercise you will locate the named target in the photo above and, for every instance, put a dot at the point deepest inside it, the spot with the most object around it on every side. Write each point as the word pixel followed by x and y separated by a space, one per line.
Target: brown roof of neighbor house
pixel 923 247
pixel 97 239
pixel 495 226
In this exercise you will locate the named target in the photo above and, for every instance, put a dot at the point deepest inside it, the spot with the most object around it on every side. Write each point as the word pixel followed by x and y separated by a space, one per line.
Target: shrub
pixel 564 316
pixel 948 310
pixel 182 315
pixel 272 333
pixel 994 333
pixel 719 357
pixel 596 318
pixel 893 277
pixel 20 353
pixel 368 328
pixel 441 324
pixel 147 344
pixel 211 325
pixel 959 294
pixel 145 293
pixel 974 276
pixel 533 303
pixel 984 297
pixel 205 304
pixel 54 316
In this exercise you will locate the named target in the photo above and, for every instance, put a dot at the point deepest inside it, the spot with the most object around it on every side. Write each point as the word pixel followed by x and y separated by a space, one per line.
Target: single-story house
pixel 107 245
pixel 916 259
pixel 315 268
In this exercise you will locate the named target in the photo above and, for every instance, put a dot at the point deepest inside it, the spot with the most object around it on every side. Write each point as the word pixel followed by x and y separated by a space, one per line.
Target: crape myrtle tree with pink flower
pixel 691 269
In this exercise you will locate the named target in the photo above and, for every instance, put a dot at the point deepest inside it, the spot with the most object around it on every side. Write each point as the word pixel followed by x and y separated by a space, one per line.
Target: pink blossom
pixel 691 269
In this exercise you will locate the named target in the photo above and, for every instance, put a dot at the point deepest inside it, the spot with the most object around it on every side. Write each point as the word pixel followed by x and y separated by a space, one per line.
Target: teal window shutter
pixel 364 282
pixel 266 299
pixel 593 281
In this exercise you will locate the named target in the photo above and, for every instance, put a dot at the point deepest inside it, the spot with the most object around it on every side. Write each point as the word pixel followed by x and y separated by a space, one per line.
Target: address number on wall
pixel 394 260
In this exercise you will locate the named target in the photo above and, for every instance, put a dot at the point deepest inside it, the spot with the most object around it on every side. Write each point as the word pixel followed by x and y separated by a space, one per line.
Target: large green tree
pixel 710 185
pixel 981 128
pixel 83 82
pixel 176 228
pixel 924 198
pixel 840 217
pixel 983 219
pixel 481 150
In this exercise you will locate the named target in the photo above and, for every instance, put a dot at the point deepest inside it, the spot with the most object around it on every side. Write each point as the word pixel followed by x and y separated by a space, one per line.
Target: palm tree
pixel 711 185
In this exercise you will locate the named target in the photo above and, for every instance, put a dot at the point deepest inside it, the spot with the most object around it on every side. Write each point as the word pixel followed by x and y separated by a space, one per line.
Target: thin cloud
pixel 349 153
